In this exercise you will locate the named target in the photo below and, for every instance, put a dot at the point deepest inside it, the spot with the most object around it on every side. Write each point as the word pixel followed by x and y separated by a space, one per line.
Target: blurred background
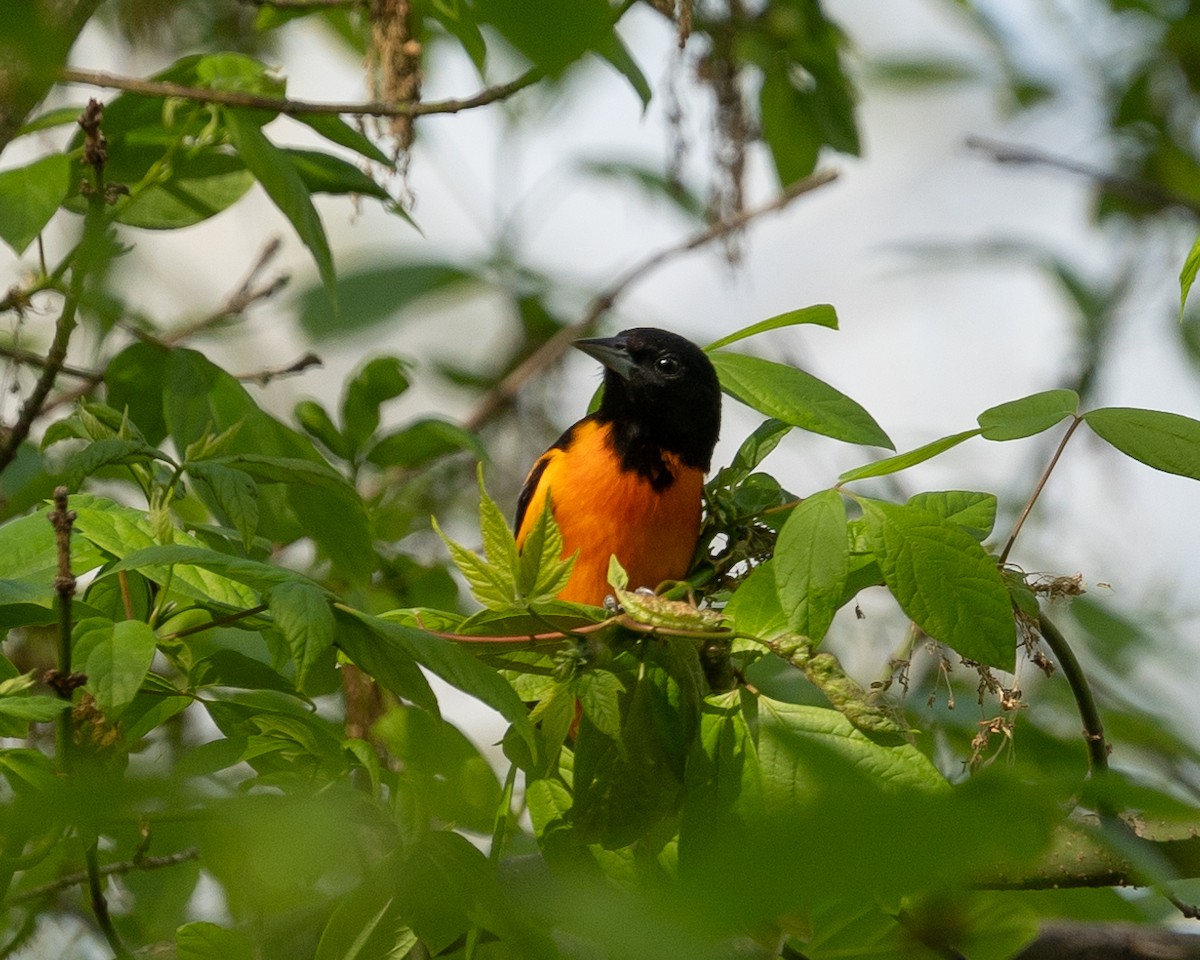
pixel 960 281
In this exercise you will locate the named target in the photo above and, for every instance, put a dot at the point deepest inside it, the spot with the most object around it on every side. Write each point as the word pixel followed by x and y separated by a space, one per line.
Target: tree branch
pixel 1142 191
pixel 104 870
pixel 502 394
pixel 239 98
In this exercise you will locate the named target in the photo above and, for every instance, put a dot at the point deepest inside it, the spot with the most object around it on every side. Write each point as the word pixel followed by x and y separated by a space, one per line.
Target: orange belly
pixel 605 511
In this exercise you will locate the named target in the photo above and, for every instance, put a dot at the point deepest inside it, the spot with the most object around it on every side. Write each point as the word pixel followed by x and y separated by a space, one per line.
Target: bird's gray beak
pixel 610 351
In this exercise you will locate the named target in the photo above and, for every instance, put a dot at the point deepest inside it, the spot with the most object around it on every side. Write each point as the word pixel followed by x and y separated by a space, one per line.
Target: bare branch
pixel 264 377
pixel 502 394
pixel 239 98
pixel 104 870
pixel 1142 191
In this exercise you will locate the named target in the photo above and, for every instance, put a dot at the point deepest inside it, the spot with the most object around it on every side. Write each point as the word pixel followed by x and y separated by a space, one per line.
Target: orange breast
pixel 603 511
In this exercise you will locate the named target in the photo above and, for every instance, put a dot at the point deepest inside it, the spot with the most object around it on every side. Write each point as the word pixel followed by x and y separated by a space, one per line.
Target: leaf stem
pixel 1037 490
pixel 215 622
pixel 1093 729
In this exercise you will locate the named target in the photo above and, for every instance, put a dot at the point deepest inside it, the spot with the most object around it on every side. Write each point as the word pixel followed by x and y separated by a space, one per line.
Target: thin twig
pixel 120 867
pixel 546 355
pixel 61 679
pixel 239 98
pixel 1143 191
pixel 1037 490
pixel 264 377
pixel 100 904
pixel 215 622
pixel 31 359
pixel 306 4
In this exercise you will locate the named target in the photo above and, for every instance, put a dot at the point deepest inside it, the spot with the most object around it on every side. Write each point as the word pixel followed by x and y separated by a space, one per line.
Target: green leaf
pixel 34 708
pixel 797 398
pixel 392 666
pixel 133 384
pixel 552 34
pixel 284 185
pixel 974 512
pixel 944 581
pixel 201 399
pixel 291 470
pixel 903 461
pixel 301 611
pixel 200 940
pixel 380 380
pixel 234 492
pixel 367 925
pixel 153 561
pixel 612 48
pixel 822 314
pixel 107 453
pixel 543 571
pixel 493 588
pixel 649 180
pixel 115 657
pixel 28 553
pixel 337 130
pixel 812 562
pixel 29 197
pixel 458 668
pixel 325 173
pixel 791 737
pixel 447 770
pixel 459 20
pixel 315 420
pixel 1165 441
pixel 788 127
pixel 372 295
pixel 1029 415
pixel 499 545
pixel 1187 276
pixel 422 442
pixel 195 186
pixel 755 608
pixel 58 117
pixel 600 693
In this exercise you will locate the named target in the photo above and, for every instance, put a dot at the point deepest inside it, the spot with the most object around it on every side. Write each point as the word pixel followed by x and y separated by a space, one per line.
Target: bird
pixel 628 480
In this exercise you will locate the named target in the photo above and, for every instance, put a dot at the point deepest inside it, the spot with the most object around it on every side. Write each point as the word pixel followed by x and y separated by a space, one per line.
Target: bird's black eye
pixel 667 365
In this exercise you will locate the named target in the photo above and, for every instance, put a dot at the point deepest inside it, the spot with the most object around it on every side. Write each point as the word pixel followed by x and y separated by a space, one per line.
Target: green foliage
pixel 245 681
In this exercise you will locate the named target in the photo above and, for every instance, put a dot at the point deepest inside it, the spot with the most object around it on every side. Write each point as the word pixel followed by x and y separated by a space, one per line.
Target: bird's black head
pixel 660 391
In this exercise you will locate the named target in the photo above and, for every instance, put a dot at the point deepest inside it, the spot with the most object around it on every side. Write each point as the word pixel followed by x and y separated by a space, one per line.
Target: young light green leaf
pixel 812 561
pixel 1029 415
pixel 115 657
pixel 944 581
pixel 821 314
pixel 315 420
pixel 495 589
pixel 543 571
pixel 235 494
pixel 499 544
pixel 290 470
pixel 1187 276
pixel 903 461
pixel 108 453
pixel 1165 441
pixel 797 398
pixel 29 197
pixel 301 612
pixel 284 185
pixel 974 512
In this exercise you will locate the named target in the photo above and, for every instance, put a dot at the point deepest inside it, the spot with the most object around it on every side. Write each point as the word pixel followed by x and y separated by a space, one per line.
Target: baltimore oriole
pixel 628 479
